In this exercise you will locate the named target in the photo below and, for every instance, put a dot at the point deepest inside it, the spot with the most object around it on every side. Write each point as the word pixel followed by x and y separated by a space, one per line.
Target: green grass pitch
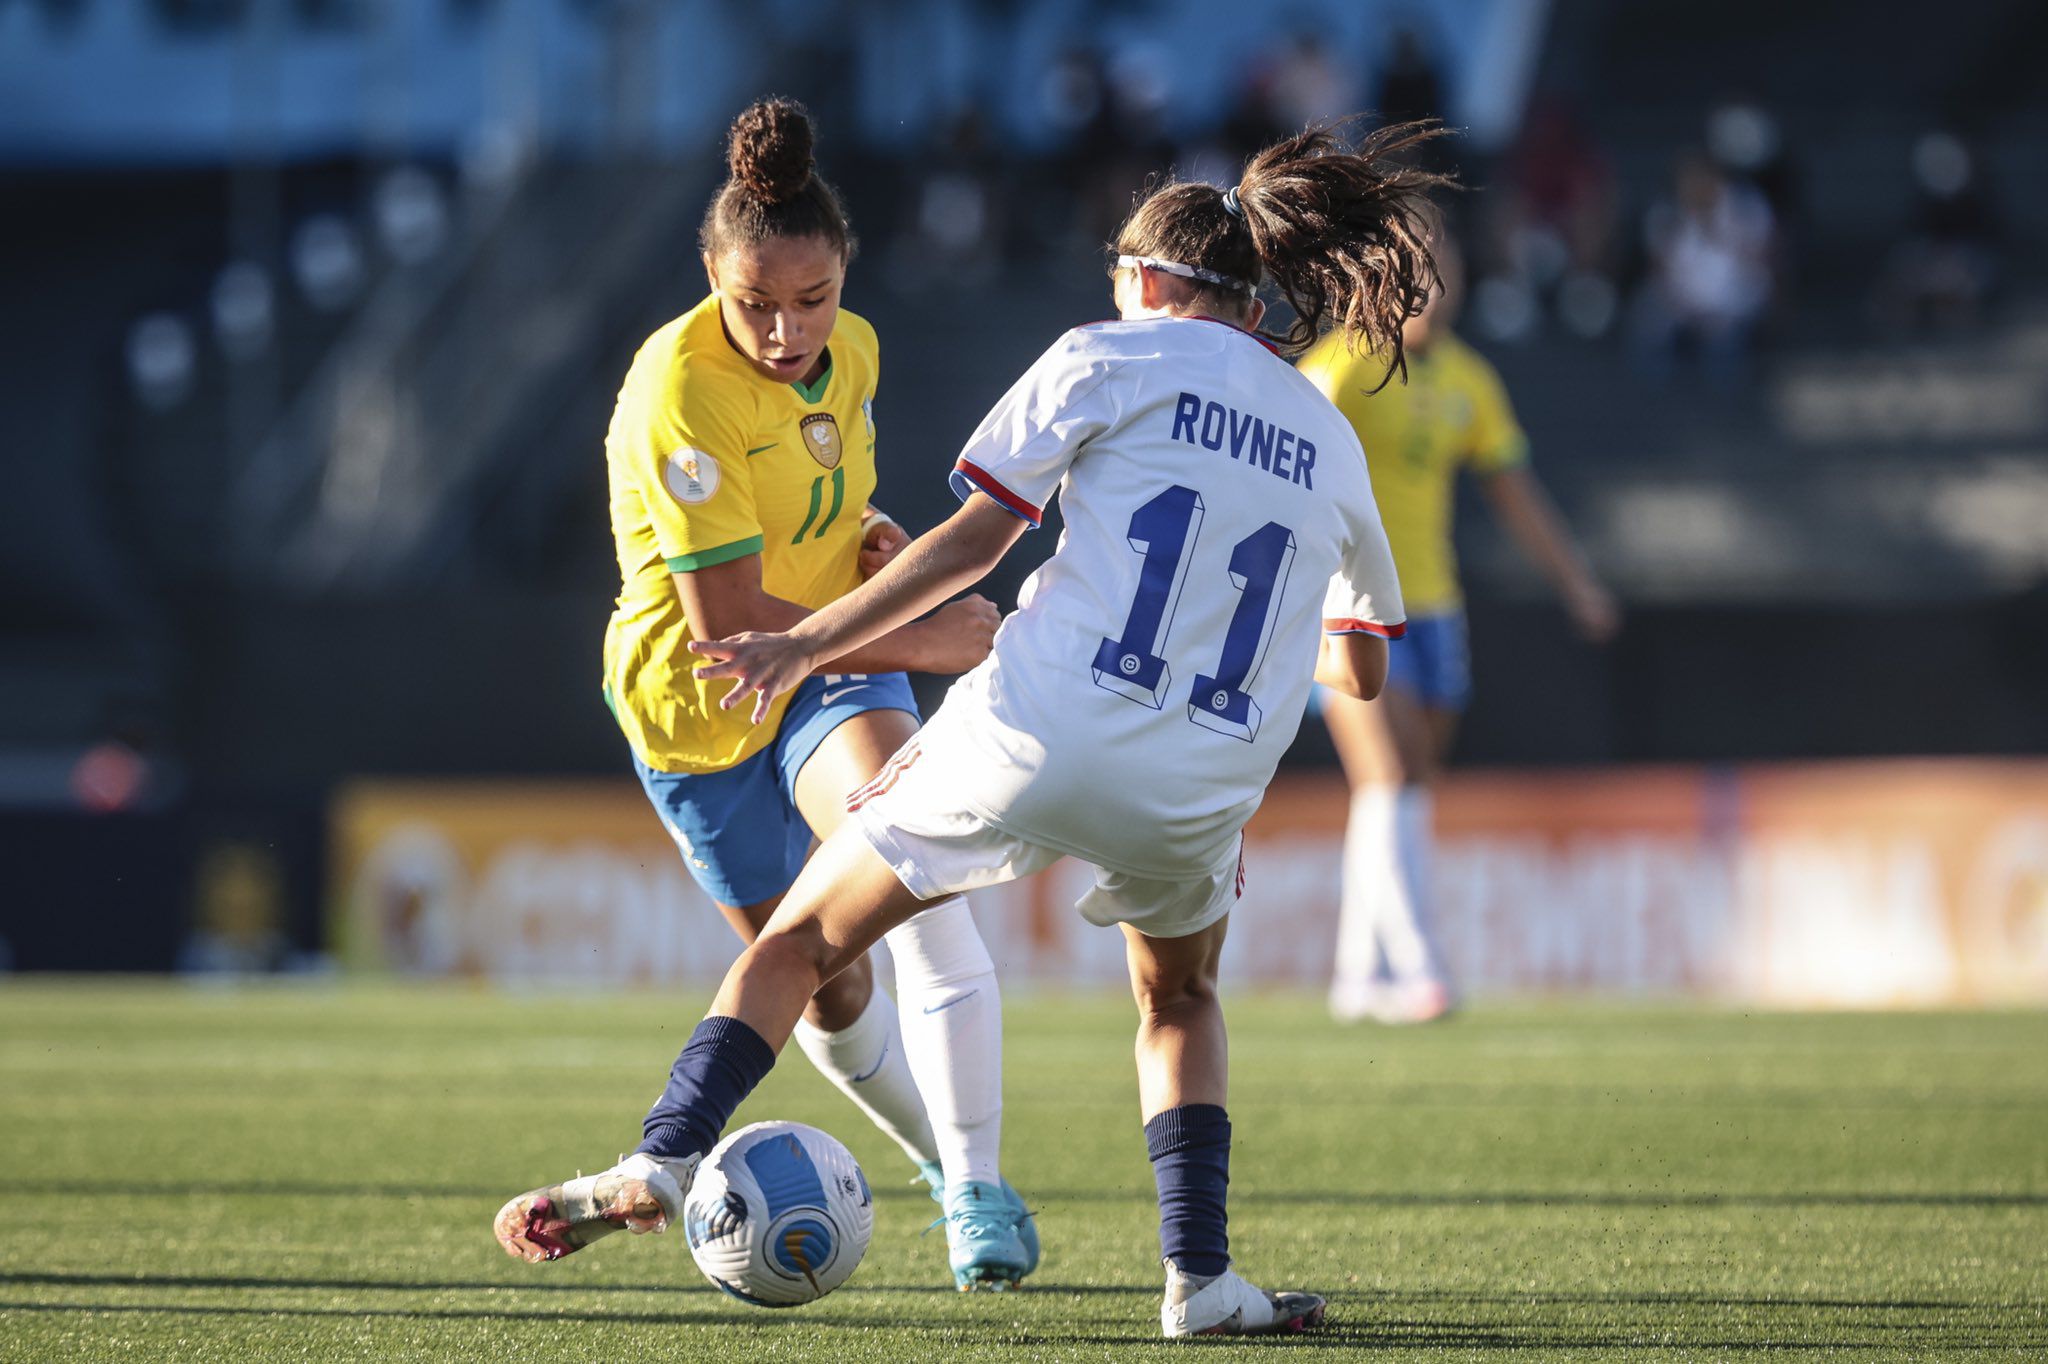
pixel 309 1174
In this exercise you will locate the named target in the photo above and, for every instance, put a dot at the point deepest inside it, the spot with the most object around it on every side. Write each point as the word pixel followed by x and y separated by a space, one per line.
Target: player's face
pixel 779 300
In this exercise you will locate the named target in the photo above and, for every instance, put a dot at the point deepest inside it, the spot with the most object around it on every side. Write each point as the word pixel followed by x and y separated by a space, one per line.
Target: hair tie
pixel 1230 203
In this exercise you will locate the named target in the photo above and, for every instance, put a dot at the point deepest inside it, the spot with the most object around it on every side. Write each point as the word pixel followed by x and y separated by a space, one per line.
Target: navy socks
pixel 1190 1150
pixel 719 1066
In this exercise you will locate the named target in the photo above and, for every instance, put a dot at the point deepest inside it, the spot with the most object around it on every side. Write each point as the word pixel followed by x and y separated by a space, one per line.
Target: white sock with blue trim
pixel 952 1017
pixel 869 1063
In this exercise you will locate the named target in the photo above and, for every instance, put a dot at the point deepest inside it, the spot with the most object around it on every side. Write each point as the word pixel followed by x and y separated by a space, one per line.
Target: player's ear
pixel 711 271
pixel 1155 291
pixel 1255 314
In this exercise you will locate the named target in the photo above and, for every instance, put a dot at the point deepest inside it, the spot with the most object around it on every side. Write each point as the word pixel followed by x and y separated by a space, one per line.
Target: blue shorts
pixel 1431 662
pixel 739 830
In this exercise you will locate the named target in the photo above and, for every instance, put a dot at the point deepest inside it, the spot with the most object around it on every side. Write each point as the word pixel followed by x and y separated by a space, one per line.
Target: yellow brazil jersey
pixel 710 461
pixel 1452 413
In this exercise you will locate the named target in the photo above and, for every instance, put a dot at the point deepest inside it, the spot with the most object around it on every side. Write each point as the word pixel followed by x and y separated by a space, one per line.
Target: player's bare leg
pixel 1183 1055
pixel 643 1193
pixel 845 900
pixel 949 1022
pixel 1392 750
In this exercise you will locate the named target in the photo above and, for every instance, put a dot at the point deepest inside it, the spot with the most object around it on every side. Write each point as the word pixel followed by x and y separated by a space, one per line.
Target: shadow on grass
pixel 709 1317
pixel 56 1279
pixel 1478 1198
pixel 1355 1301
pixel 1338 1334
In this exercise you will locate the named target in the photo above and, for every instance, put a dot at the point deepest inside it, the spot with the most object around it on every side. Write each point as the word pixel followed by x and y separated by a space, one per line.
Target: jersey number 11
pixel 1164 531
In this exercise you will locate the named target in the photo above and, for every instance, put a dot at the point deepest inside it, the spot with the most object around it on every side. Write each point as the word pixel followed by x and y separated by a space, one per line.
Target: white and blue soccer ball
pixel 779 1214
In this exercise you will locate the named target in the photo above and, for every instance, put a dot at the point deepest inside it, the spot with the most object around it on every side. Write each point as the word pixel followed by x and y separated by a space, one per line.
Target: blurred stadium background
pixel 317 310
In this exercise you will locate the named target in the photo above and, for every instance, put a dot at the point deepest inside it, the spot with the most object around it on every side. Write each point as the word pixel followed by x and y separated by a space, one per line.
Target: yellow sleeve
pixel 681 444
pixel 1498 441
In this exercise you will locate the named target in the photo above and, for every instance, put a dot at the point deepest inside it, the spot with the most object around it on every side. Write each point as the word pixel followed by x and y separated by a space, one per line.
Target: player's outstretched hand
pixel 762 665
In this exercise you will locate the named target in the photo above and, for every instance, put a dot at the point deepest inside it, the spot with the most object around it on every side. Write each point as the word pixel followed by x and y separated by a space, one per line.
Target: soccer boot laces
pixel 1026 1221
pixel 984 1243
pixel 642 1193
pixel 1228 1306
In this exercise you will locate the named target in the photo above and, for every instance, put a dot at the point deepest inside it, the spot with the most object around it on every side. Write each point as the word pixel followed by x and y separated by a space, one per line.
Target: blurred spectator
pixel 1710 275
pixel 1551 234
pixel 1254 119
pixel 1747 142
pixel 1112 112
pixel 1409 87
pixel 1940 275
pixel 954 232
pixel 1306 86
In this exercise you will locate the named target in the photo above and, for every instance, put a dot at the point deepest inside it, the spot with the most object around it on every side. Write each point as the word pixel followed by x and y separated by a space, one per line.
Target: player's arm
pixel 1526 512
pixel 932 568
pixel 728 599
pixel 1499 455
pixel 1362 606
pixel 1353 664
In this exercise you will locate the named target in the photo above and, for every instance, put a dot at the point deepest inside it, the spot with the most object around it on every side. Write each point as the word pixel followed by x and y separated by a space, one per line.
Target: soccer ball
pixel 779 1214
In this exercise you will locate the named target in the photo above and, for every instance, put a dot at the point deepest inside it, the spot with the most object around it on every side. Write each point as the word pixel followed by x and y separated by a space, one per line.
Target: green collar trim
pixel 815 392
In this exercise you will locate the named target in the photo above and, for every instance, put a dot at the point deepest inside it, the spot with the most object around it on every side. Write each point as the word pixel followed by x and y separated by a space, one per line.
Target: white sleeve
pixel 1365 595
pixel 1022 448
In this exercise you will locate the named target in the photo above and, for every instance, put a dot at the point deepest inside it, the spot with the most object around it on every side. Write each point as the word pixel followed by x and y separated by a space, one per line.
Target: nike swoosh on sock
pixel 940 1008
pixel 875 1069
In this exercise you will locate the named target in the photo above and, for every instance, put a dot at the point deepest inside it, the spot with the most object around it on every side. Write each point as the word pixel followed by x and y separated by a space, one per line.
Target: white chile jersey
pixel 1219 519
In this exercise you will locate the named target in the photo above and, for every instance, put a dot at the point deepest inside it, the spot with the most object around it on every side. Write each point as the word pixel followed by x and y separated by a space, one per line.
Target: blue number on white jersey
pixel 1258 566
pixel 1165 530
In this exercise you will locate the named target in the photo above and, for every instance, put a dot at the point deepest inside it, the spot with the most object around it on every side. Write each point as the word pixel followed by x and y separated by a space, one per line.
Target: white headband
pixel 1174 267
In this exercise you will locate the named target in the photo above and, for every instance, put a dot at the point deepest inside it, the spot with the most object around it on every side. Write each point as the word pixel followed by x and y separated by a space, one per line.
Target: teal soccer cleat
pixel 991 1237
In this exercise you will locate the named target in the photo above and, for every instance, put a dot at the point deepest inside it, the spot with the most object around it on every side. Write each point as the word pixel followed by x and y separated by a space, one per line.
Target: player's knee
pixel 791 954
pixel 1167 998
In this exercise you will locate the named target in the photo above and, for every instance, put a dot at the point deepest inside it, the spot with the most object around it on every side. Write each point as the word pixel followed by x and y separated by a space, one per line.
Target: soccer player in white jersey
pixel 1221 549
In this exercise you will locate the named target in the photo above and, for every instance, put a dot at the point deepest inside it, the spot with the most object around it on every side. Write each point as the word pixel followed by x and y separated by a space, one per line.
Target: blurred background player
pixel 741 453
pixel 1137 704
pixel 1451 413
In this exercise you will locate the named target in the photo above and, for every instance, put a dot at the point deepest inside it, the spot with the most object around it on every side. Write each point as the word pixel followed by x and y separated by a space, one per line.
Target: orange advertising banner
pixel 1861 884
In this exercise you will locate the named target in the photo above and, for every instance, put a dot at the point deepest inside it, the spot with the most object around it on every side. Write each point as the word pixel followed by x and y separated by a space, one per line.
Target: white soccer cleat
pixel 640 1194
pixel 1228 1306
pixel 1391 1002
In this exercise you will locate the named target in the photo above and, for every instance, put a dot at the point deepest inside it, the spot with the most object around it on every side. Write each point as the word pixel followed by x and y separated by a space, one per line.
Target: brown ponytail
pixel 1342 231
pixel 772 187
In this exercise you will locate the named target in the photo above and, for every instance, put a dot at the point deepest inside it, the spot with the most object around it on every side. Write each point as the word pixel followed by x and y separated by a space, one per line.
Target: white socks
pixel 1385 914
pixel 952 1017
pixel 869 1063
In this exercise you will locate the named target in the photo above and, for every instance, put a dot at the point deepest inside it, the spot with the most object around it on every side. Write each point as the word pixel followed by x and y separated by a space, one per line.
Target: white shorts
pixel 912 815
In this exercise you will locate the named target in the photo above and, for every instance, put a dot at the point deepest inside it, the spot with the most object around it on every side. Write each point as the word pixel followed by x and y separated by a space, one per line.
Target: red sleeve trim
pixel 987 483
pixel 1365 627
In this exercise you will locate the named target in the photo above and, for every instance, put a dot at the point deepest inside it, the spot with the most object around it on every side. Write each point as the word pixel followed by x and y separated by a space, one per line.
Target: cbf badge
pixel 691 476
pixel 821 438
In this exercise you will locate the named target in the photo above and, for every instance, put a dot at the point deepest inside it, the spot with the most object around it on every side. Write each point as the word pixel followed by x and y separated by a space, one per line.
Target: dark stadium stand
pixel 421 476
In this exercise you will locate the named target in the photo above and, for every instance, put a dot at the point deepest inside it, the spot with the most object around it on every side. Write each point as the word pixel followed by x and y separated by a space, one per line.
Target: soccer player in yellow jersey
pixel 1451 414
pixel 741 460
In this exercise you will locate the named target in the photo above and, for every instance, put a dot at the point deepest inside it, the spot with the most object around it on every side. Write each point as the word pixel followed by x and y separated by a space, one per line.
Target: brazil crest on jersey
pixel 709 461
